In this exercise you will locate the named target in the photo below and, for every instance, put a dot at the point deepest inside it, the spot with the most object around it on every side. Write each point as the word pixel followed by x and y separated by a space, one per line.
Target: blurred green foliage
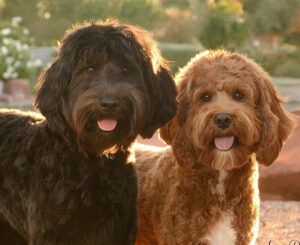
pixel 271 16
pixel 258 28
pixel 15 59
pixel 48 19
pixel 293 38
pixel 224 26
pixel 178 54
pixel 283 62
pixel 216 23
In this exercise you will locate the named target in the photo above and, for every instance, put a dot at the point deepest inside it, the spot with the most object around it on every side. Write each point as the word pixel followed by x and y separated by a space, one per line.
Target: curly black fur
pixel 63 180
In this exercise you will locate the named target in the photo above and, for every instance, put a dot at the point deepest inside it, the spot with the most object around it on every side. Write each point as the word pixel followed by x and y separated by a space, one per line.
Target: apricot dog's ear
pixel 277 122
pixel 174 133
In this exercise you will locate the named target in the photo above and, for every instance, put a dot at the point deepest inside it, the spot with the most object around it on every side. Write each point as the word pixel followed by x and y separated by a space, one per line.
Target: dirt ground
pixel 279 223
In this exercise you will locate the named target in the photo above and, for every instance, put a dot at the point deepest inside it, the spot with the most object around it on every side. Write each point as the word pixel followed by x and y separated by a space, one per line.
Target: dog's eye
pixel 238 95
pixel 125 70
pixel 205 97
pixel 90 70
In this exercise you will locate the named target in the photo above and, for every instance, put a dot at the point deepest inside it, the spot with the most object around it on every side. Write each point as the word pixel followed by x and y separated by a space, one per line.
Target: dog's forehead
pixel 210 79
pixel 219 82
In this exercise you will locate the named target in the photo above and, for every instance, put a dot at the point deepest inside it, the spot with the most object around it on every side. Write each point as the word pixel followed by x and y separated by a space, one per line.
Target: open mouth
pixel 224 143
pixel 107 125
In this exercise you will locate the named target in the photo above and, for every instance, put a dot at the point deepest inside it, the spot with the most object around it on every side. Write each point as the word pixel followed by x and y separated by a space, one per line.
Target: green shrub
pixel 178 54
pixel 283 63
pixel 223 26
pixel 15 59
pixel 176 27
pixel 293 38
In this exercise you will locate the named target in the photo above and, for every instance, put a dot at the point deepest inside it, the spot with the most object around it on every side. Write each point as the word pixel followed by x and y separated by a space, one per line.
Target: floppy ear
pixel 50 95
pixel 174 133
pixel 162 93
pixel 277 123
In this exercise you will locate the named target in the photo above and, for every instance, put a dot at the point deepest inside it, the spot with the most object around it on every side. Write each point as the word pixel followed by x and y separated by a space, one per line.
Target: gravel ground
pixel 280 223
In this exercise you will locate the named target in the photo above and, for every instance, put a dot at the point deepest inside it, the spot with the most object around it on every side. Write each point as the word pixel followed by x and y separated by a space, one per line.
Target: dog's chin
pixel 106 135
pixel 225 153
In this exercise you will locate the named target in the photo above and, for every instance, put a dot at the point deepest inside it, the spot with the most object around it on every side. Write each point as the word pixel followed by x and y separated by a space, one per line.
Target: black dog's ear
pixel 162 90
pixel 49 97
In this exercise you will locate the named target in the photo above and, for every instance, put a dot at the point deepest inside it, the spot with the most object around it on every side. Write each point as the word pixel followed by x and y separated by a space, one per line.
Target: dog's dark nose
pixel 108 103
pixel 223 120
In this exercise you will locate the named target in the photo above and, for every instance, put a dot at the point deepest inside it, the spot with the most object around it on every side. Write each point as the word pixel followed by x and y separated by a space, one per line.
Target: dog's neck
pixel 222 179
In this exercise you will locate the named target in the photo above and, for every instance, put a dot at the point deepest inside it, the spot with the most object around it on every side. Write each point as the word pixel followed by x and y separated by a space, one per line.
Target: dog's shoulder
pixel 18 128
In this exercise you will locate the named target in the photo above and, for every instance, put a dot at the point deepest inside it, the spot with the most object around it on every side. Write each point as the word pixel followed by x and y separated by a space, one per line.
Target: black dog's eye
pixel 238 95
pixel 205 97
pixel 125 70
pixel 90 70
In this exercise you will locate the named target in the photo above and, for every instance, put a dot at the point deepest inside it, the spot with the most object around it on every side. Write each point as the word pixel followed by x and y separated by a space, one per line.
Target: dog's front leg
pixel 132 221
pixel 8 236
pixel 246 224
pixel 133 228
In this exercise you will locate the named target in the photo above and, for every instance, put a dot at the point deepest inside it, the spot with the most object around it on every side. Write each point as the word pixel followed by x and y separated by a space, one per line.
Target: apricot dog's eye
pixel 90 70
pixel 238 95
pixel 205 98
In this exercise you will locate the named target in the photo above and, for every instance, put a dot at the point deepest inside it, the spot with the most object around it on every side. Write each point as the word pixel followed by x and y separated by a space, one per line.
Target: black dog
pixel 66 178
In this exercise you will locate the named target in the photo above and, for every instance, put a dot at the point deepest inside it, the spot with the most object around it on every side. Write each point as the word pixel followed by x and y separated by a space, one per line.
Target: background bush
pixel 224 26
pixel 178 54
pixel 259 28
pixel 281 63
pixel 15 58
pixel 284 63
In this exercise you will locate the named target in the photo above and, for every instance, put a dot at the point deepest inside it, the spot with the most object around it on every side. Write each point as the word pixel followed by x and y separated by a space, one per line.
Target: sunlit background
pixel 266 30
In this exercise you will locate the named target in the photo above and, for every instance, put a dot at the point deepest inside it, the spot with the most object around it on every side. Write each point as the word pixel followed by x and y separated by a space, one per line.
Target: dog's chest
pixel 222 231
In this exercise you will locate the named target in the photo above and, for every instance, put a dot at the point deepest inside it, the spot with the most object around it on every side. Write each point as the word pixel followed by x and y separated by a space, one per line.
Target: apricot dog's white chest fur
pixel 222 231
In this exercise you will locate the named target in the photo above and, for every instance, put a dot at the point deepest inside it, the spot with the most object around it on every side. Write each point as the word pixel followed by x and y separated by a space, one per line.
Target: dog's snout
pixel 109 103
pixel 223 120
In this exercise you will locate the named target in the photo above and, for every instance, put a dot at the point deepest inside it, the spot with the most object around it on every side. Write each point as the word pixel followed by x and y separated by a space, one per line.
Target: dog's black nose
pixel 108 103
pixel 223 120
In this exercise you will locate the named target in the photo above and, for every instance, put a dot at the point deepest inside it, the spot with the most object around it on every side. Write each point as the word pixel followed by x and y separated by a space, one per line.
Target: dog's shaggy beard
pixel 245 128
pixel 85 111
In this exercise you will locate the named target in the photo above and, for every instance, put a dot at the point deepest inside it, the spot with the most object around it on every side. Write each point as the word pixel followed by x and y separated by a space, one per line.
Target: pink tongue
pixel 107 124
pixel 224 143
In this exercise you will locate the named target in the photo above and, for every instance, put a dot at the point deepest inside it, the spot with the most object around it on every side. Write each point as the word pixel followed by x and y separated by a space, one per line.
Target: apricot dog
pixel 203 190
